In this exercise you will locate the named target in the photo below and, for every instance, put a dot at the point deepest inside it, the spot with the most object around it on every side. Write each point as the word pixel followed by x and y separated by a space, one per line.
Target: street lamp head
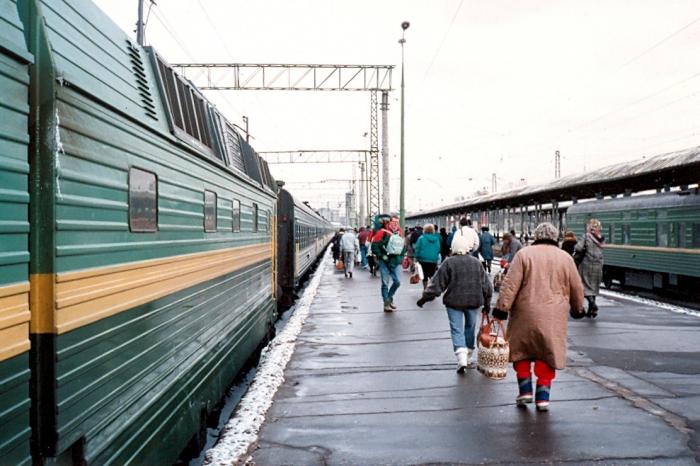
pixel 405 25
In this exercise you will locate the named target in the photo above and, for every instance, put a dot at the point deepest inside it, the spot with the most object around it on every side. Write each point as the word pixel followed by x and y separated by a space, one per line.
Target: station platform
pixel 365 387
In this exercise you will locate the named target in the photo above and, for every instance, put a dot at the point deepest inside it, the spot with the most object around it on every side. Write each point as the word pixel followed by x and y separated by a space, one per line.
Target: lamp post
pixel 402 209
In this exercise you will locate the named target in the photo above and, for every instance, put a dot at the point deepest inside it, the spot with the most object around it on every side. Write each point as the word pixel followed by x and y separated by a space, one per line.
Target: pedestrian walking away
pixel 427 252
pixel 465 230
pixel 363 238
pixel 466 288
pixel 589 251
pixel 511 246
pixel 444 244
pixel 486 243
pixel 350 247
pixel 335 245
pixel 389 247
pixel 540 291
pixel 569 243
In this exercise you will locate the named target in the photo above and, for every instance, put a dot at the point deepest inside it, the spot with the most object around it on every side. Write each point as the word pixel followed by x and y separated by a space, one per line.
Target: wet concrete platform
pixel 366 387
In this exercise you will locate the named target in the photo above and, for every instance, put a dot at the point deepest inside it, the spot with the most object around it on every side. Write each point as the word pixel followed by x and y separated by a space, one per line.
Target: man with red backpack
pixel 389 248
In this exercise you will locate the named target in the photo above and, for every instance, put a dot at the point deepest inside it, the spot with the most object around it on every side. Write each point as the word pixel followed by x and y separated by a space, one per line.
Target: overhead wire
pixel 442 42
pixel 659 43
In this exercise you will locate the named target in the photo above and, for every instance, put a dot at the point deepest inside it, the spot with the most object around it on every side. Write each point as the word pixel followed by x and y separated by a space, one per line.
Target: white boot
pixel 462 359
pixel 470 361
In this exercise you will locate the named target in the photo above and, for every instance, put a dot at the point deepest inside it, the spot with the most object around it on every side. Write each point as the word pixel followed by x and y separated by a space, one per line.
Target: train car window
pixel 236 216
pixel 209 211
pixel 681 235
pixel 673 235
pixel 696 235
pixel 611 233
pixel 268 224
pixel 255 217
pixel 143 201
pixel 625 234
pixel 662 234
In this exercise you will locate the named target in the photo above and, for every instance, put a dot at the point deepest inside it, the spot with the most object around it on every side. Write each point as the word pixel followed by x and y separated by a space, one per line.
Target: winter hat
pixel 460 245
pixel 546 231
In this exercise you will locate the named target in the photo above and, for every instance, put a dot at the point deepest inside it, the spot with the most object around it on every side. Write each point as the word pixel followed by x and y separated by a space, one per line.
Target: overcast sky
pixel 492 86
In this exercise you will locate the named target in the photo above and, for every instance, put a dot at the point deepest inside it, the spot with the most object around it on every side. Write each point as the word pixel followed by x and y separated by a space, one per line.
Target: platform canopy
pixel 671 169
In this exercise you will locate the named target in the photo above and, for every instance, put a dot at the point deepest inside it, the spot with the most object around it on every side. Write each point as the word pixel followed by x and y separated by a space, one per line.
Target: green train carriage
pixel 15 60
pixel 302 237
pixel 653 241
pixel 151 244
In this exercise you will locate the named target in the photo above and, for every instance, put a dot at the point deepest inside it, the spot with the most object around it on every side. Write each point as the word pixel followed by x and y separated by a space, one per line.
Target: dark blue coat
pixel 486 243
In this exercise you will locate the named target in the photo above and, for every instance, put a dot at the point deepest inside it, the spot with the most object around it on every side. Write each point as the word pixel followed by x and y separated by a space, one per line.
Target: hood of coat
pixel 432 238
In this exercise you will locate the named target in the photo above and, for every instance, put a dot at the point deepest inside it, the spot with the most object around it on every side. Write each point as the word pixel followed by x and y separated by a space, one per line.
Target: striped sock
pixel 525 386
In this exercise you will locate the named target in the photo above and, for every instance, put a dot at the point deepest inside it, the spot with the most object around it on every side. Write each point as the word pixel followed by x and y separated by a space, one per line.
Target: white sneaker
pixel 462 360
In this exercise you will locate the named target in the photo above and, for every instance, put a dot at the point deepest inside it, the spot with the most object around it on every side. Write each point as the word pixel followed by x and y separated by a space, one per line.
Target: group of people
pixel 380 247
pixel 428 248
pixel 544 284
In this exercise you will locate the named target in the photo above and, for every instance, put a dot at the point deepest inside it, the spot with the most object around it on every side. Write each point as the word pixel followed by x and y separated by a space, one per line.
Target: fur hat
pixel 546 231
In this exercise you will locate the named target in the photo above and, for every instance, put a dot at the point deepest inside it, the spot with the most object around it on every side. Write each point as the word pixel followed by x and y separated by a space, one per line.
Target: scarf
pixel 598 240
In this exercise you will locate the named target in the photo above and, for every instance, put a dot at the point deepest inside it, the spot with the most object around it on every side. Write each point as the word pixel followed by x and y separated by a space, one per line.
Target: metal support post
pixel 374 201
pixel 140 26
pixel 386 197
pixel 557 165
pixel 362 194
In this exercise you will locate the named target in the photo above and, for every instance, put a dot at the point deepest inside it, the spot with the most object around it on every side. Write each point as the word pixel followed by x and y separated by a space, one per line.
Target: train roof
pixel 298 204
pixel 108 66
pixel 650 201
pixel 672 168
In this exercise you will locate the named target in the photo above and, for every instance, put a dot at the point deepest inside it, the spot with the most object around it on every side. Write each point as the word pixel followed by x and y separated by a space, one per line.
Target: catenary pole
pixel 140 25
pixel 402 207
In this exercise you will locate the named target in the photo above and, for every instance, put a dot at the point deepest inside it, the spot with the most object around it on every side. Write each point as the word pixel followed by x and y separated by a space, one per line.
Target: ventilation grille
pixel 141 80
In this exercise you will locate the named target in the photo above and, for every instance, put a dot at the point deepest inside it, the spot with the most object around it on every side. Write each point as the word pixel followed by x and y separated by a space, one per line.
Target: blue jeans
pixel 462 327
pixel 389 273
pixel 363 255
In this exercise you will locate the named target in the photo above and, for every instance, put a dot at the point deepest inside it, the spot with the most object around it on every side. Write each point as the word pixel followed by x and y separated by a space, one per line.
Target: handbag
pixel 419 271
pixel 339 265
pixel 494 349
pixel 414 279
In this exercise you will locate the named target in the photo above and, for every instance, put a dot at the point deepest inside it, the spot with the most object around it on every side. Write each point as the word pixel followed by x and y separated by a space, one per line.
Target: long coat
pixel 486 243
pixel 540 287
pixel 591 268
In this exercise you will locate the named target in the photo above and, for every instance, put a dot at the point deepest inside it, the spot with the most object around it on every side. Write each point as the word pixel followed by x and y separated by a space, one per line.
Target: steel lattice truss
pixel 374 199
pixel 296 77
pixel 287 77
pixel 314 156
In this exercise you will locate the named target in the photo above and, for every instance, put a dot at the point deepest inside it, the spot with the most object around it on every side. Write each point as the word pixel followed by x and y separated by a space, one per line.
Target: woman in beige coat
pixel 541 286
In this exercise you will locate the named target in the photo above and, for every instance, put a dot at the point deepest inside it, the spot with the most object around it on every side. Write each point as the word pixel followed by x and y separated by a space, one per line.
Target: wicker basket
pixel 494 350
